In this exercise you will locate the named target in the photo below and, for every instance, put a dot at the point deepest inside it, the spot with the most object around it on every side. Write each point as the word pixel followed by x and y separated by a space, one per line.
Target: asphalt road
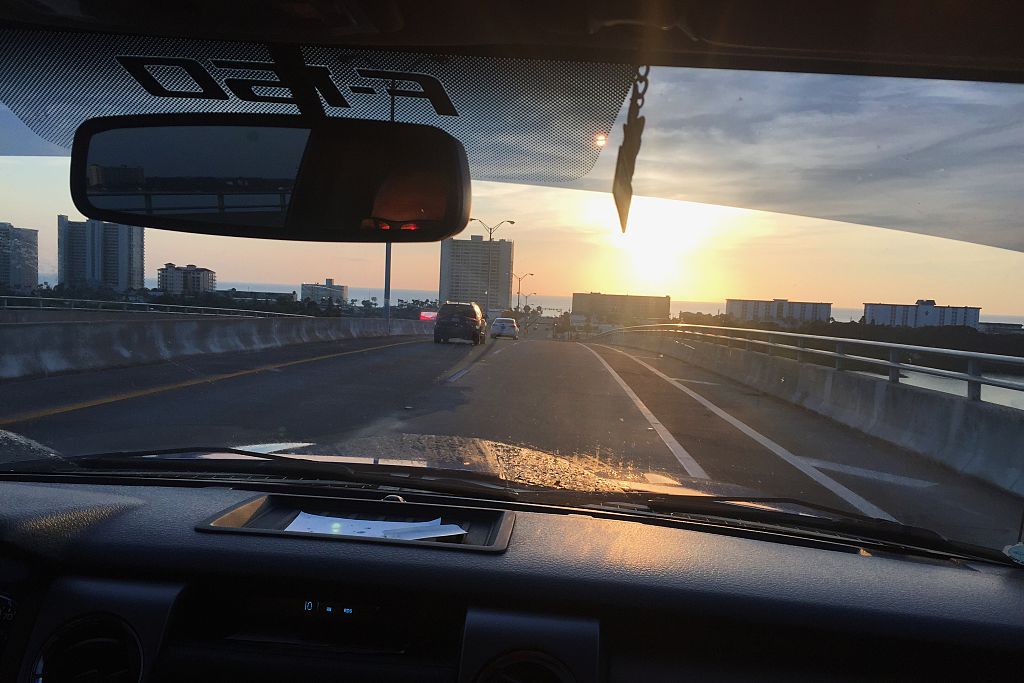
pixel 624 412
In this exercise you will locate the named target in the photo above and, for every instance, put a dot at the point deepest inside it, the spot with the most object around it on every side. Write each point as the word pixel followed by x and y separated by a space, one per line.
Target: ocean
pixel 549 302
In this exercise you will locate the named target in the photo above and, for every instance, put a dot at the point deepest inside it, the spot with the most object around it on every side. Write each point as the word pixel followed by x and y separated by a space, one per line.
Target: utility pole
pixel 519 288
pixel 490 252
pixel 387 245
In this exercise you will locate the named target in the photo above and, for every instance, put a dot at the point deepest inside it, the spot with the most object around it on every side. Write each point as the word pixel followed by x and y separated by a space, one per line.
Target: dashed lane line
pixel 685 459
pixel 858 502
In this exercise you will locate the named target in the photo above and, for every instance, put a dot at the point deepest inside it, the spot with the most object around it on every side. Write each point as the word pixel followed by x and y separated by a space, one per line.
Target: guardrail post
pixel 800 355
pixel 840 351
pixel 769 350
pixel 974 388
pixel 894 373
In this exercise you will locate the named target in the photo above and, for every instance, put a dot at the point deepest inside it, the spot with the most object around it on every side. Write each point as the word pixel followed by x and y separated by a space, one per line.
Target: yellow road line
pixel 35 415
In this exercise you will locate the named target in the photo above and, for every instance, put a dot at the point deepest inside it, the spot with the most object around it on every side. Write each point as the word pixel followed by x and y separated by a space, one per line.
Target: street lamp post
pixel 387 245
pixel 490 250
pixel 519 286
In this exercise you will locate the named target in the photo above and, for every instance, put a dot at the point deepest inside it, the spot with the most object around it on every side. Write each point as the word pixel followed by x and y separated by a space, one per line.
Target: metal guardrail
pixel 42 303
pixel 800 346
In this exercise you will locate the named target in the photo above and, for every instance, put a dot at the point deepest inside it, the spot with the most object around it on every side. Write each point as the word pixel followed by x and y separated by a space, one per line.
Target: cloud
pixel 934 157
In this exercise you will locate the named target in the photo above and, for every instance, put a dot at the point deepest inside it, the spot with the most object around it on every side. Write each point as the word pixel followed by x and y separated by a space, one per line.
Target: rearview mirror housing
pixel 273 177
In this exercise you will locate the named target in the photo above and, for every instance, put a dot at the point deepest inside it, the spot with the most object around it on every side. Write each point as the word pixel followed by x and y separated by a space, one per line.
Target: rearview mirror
pixel 275 177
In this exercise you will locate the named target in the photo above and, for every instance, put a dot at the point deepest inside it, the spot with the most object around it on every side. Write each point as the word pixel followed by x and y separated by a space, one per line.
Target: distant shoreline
pixel 554 302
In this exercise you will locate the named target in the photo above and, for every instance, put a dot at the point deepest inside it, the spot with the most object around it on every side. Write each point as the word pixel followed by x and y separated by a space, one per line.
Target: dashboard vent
pixel 525 667
pixel 99 648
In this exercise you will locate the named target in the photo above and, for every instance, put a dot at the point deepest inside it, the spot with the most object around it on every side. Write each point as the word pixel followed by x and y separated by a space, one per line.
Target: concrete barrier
pixel 61 315
pixel 983 440
pixel 32 349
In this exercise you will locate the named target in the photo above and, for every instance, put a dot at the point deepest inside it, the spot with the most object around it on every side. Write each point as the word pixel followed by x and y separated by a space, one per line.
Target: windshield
pixel 816 297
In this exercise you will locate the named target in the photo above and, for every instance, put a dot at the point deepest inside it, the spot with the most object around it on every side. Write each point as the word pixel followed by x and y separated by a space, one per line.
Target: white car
pixel 505 327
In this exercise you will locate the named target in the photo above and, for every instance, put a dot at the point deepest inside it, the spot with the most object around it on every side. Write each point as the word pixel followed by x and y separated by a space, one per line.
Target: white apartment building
pixel 924 313
pixel 189 279
pixel 780 311
pixel 328 292
pixel 464 272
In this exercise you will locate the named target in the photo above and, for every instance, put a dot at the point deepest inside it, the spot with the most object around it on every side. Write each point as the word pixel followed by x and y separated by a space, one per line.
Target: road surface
pixel 625 412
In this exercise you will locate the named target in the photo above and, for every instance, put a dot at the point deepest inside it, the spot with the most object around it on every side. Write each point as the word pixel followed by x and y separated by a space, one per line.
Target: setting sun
pixel 663 248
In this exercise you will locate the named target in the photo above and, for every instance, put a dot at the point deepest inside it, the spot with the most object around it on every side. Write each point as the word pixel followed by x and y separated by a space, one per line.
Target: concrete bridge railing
pixel 973 437
pixel 34 349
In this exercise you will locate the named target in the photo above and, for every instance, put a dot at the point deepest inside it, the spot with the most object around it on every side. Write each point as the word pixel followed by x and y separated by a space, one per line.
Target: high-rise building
pixel 922 314
pixel 97 254
pixel 19 258
pixel 325 293
pixel 464 272
pixel 781 311
pixel 177 280
pixel 620 308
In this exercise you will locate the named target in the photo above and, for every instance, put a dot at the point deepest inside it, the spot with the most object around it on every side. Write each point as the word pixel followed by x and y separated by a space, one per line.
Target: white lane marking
pixel 685 459
pixel 693 381
pixel 861 504
pixel 495 353
pixel 272 447
pixel 458 374
pixel 897 479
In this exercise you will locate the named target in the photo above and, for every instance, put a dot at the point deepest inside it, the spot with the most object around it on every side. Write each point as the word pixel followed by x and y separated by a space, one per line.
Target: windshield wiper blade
pixel 849 526
pixel 398 476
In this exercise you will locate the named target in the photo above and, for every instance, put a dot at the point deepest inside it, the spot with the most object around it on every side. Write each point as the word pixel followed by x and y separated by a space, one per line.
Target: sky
pixel 749 185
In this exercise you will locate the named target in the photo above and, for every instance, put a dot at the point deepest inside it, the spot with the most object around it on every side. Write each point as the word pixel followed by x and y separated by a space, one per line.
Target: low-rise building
pixel 782 311
pixel 623 308
pixel 924 313
pixel 252 297
pixel 1001 328
pixel 326 293
pixel 178 280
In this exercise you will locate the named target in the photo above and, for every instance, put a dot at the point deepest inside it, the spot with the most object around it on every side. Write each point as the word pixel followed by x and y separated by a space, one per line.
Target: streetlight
pixel 490 249
pixel 528 297
pixel 519 288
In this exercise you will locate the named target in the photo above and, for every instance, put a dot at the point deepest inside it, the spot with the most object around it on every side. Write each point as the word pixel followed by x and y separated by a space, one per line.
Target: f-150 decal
pixel 214 86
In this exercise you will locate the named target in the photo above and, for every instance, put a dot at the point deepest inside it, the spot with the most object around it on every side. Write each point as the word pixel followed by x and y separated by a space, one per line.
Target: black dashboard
pixel 120 581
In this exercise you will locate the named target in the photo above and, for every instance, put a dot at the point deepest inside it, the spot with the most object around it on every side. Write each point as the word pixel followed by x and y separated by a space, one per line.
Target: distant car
pixel 460 321
pixel 505 327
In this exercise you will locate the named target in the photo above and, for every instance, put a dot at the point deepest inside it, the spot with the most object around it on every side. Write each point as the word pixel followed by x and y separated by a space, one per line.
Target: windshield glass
pixel 817 297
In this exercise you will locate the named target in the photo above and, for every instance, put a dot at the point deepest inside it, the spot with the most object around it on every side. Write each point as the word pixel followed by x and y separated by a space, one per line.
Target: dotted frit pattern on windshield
pixel 519 120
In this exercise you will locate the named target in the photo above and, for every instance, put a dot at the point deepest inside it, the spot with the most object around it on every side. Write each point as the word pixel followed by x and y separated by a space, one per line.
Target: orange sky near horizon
pixel 571 241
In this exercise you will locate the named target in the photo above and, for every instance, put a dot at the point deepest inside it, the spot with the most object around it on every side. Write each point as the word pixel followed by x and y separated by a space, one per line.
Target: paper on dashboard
pixel 308 523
